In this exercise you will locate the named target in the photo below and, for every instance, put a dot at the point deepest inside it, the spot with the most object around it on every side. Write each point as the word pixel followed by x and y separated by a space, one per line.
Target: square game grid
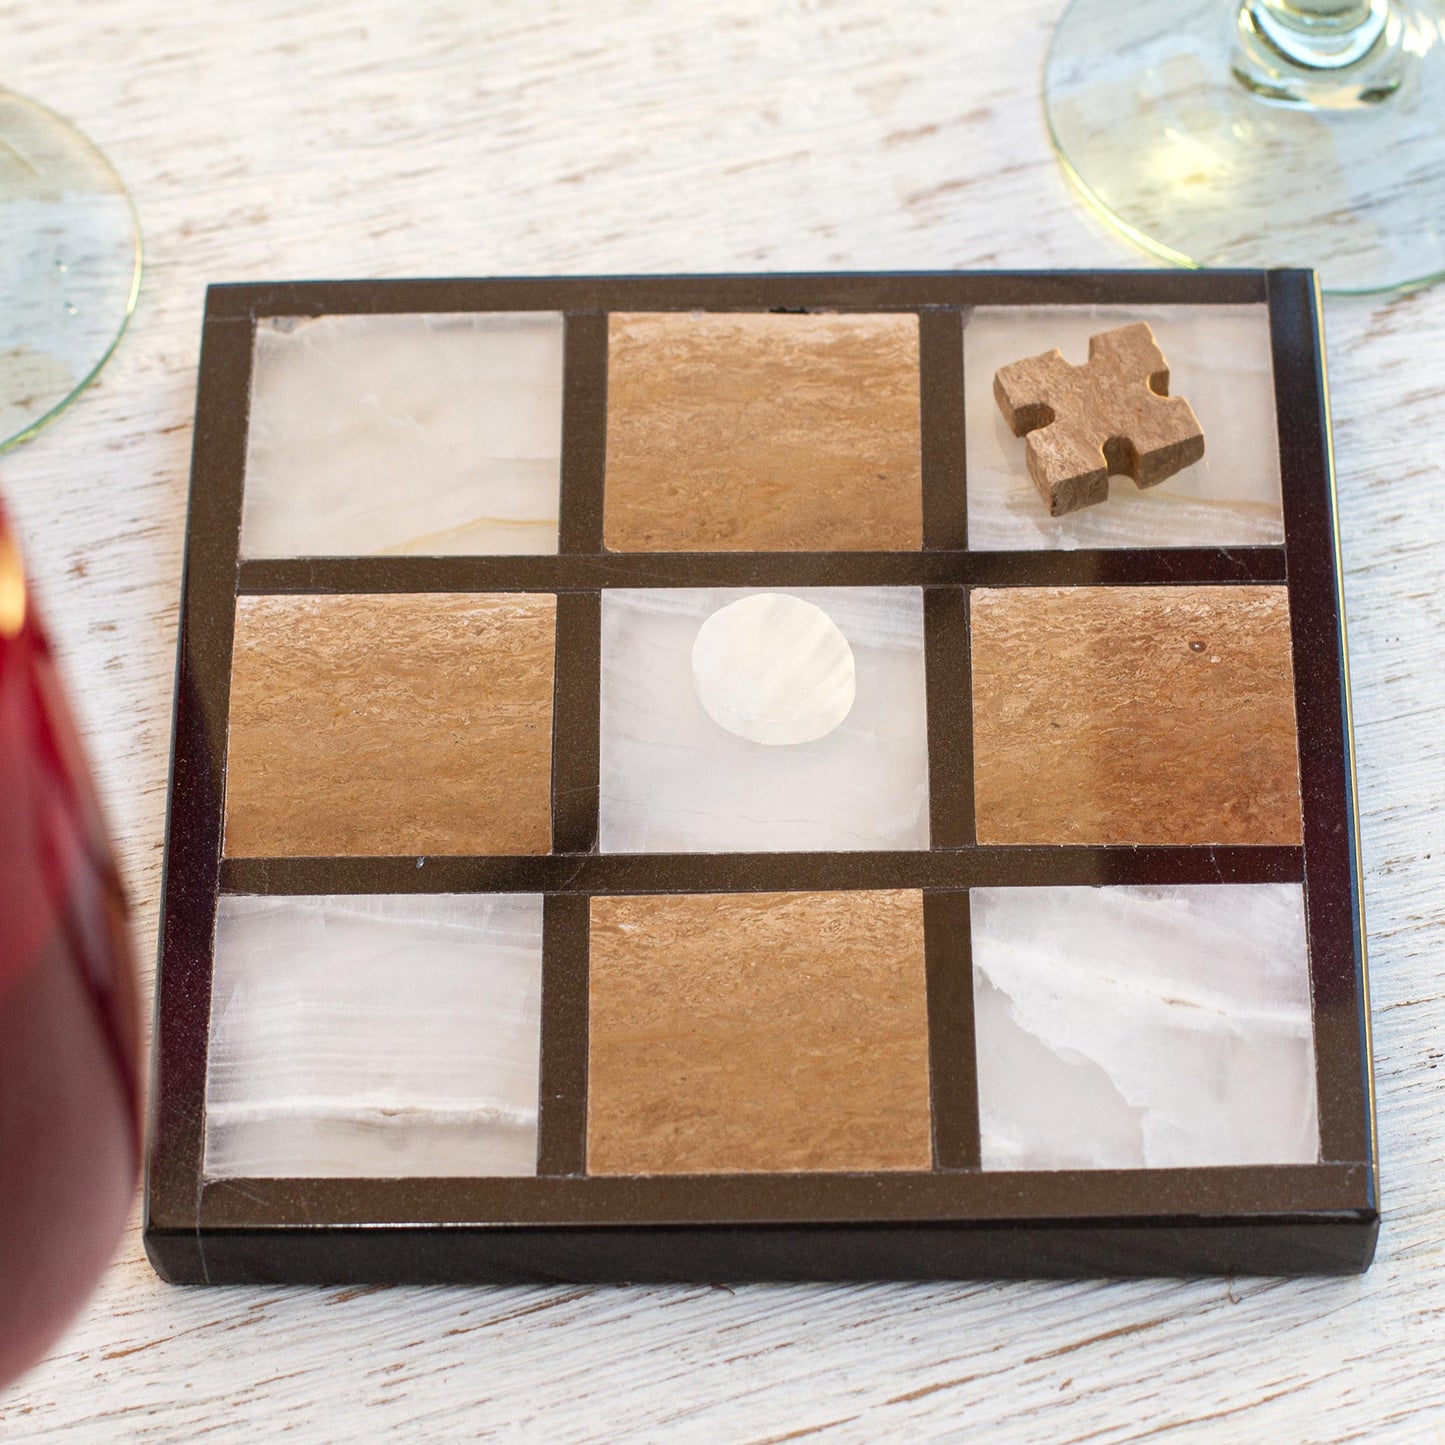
pixel 953 1219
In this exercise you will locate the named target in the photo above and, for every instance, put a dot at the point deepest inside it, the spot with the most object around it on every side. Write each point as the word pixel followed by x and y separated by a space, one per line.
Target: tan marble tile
pixel 1134 715
pixel 756 432
pixel 758 1032
pixel 391 724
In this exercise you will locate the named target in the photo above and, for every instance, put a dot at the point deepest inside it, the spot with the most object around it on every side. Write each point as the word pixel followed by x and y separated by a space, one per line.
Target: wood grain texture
pixel 432 732
pixel 757 433
pixel 271 138
pixel 1134 715
pixel 737 1033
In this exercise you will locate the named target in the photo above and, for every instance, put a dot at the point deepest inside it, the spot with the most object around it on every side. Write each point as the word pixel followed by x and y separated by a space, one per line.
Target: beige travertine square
pixel 374 1036
pixel 1134 715
pixel 391 724
pixel 758 432
pixel 758 1032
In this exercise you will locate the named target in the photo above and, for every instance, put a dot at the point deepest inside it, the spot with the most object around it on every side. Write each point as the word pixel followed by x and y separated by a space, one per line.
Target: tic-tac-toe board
pixel 664 789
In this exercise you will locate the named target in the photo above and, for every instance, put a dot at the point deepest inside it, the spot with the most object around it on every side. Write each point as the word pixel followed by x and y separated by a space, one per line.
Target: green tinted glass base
pixel 70 264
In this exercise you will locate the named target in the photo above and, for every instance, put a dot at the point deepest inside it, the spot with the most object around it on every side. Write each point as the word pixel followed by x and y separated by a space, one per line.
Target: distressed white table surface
pixel 373 138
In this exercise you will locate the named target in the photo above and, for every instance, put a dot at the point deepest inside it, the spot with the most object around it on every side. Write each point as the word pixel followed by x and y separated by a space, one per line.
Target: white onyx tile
pixel 1143 1027
pixel 673 780
pixel 429 434
pixel 382 1036
pixel 1219 360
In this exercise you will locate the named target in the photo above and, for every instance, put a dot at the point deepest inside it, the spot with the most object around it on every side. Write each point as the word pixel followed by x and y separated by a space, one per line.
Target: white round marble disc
pixel 773 669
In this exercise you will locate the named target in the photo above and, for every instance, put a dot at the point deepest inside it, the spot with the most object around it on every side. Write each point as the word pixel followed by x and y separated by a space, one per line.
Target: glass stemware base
pixel 70 264
pixel 1186 128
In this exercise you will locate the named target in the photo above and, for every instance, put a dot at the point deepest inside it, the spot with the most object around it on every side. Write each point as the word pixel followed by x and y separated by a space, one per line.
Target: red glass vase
pixel 69 1042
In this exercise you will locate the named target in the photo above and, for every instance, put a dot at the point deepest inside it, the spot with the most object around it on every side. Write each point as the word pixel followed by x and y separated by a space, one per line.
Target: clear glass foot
pixel 1264 134
pixel 70 264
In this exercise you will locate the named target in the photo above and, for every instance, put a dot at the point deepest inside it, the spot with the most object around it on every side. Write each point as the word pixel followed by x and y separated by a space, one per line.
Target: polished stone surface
pixel 759 432
pixel 1219 360
pixel 397 723
pixel 427 434
pixel 1126 1028
pixel 379 1036
pixel 1134 715
pixel 774 669
pixel 758 1032
pixel 672 780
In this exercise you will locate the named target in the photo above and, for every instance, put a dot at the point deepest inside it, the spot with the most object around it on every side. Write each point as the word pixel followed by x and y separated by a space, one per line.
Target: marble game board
pixel 656 795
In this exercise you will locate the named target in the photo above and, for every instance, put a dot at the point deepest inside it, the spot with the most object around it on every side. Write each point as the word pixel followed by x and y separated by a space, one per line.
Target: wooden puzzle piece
pixel 1112 415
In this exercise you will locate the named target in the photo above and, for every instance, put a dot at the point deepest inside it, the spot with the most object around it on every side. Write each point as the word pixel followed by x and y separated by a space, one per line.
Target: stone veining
pixel 1143 1027
pixel 428 434
pixel 375 1036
